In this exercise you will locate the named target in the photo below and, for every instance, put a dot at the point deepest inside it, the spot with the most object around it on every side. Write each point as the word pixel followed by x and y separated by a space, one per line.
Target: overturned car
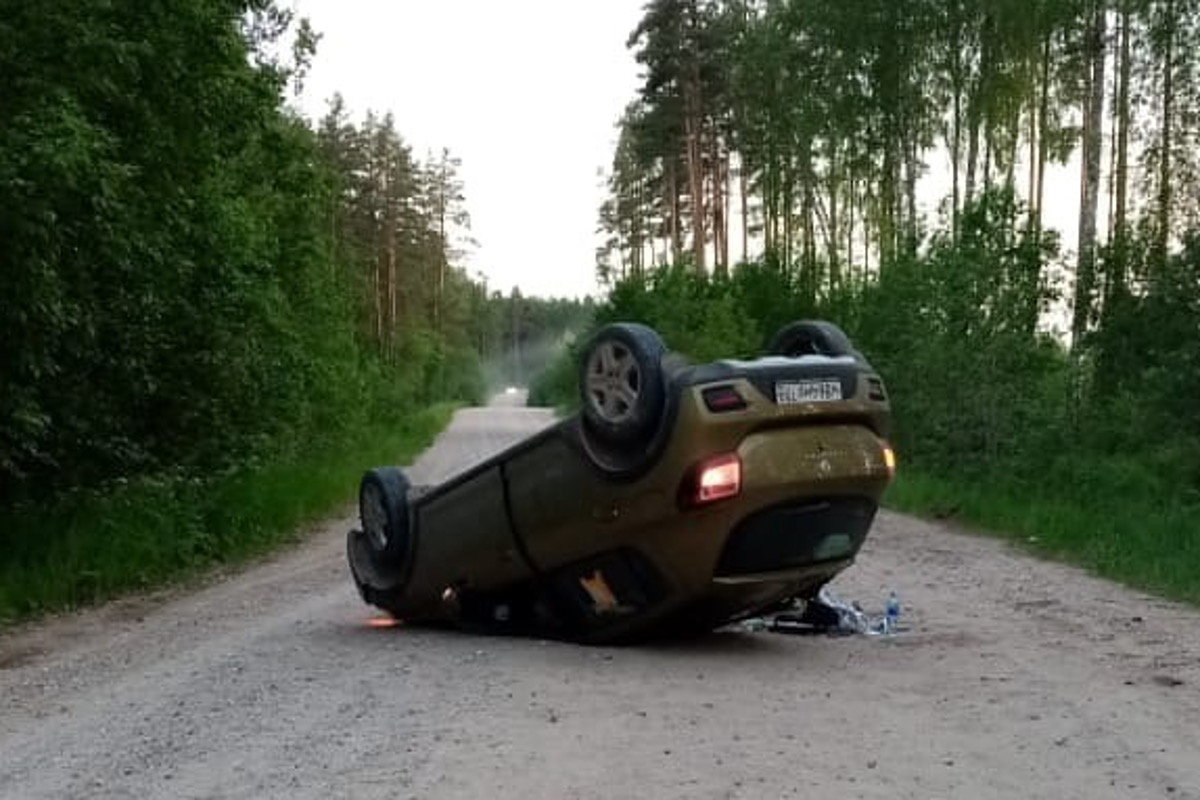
pixel 679 498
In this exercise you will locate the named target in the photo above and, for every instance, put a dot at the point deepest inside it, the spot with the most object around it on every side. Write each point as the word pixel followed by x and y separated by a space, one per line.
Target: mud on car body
pixel 679 497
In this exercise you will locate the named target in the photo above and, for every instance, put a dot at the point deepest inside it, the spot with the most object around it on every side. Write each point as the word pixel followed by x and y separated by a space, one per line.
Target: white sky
pixel 527 93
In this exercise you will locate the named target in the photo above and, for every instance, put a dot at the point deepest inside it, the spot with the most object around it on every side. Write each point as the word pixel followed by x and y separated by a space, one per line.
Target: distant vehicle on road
pixel 679 498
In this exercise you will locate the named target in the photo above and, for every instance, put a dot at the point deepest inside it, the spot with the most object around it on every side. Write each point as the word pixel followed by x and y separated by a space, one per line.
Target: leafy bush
pixel 557 386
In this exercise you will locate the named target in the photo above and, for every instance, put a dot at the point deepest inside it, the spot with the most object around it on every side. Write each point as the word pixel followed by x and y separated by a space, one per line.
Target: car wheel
pixel 811 338
pixel 383 511
pixel 621 383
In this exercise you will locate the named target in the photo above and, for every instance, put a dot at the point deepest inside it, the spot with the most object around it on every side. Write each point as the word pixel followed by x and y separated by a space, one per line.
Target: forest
pixel 772 166
pixel 214 312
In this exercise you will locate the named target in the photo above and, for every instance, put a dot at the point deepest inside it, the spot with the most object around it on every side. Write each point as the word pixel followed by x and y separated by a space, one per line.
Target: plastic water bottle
pixel 893 613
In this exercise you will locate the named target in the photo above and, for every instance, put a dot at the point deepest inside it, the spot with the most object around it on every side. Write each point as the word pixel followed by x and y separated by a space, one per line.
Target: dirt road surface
pixel 1017 679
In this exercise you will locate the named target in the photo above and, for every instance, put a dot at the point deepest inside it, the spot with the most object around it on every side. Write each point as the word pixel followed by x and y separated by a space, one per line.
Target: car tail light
pixel 889 459
pixel 723 398
pixel 717 478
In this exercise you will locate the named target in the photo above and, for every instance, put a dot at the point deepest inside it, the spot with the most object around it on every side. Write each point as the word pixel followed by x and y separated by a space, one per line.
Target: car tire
pixel 621 384
pixel 383 513
pixel 811 337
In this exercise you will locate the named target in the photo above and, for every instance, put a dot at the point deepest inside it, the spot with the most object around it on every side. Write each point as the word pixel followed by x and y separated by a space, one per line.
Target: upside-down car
pixel 679 497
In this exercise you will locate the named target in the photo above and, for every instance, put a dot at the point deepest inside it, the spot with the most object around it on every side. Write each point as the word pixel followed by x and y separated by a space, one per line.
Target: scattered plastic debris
pixel 851 617
pixel 892 615
pixel 830 615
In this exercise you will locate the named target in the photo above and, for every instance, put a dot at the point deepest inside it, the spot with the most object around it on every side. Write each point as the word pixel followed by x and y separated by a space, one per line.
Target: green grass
pixel 1146 545
pixel 95 546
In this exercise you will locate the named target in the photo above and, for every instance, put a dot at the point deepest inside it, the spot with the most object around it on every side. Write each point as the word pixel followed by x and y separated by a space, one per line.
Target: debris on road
pixel 832 616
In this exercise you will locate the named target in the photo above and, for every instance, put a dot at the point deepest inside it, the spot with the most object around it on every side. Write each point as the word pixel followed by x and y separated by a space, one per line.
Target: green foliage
pixel 557 385
pixel 700 317
pixel 168 298
pixel 93 545
pixel 1124 536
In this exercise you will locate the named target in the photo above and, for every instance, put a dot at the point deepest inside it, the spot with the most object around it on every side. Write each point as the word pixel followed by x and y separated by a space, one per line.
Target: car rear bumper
pixel 795 534
pixel 808 499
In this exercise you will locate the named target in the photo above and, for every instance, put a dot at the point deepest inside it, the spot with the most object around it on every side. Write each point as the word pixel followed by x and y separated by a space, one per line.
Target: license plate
pixel 812 391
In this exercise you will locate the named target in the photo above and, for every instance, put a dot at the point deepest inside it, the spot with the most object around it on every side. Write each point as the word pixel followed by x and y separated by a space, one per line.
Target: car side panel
pixel 564 509
pixel 464 536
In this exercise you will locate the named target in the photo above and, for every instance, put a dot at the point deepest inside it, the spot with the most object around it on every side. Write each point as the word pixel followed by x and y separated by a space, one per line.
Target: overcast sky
pixel 527 93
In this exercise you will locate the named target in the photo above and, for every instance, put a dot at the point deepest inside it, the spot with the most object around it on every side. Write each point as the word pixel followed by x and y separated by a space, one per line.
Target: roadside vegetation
pixel 1045 389
pixel 213 313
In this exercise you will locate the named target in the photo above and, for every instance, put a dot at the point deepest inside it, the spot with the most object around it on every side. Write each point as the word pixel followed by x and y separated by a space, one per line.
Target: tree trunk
pixel 808 213
pixel 673 211
pixel 910 193
pixel 1093 128
pixel 832 233
pixel 1111 183
pixel 786 215
pixel 693 112
pixel 1118 232
pixel 443 200
pixel 744 189
pixel 975 109
pixel 973 124
pixel 377 278
pixel 850 190
pixel 987 157
pixel 695 167
pixel 726 179
pixel 1168 121
pixel 956 145
pixel 864 206
pixel 1010 168
pixel 635 240
pixel 717 186
pixel 392 224
pixel 1122 178
pixel 1032 133
pixel 772 199
pixel 887 207
pixel 1043 139
pixel 1012 129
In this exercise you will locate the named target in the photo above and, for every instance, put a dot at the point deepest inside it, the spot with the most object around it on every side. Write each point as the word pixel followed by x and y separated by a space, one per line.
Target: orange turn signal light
pixel 889 460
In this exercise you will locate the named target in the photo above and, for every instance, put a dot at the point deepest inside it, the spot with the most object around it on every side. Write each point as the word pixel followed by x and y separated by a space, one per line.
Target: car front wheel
pixel 621 384
pixel 383 511
pixel 811 338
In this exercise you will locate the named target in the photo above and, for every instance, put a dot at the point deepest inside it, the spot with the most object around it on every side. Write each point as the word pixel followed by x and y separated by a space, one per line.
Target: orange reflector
pixel 889 459
pixel 719 478
pixel 383 622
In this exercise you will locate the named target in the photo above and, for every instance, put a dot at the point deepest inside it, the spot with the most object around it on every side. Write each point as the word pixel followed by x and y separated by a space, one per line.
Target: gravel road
pixel 1017 679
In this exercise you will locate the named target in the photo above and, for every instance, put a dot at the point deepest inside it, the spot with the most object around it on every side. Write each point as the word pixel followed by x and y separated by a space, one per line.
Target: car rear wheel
pixel 621 383
pixel 383 511
pixel 811 338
